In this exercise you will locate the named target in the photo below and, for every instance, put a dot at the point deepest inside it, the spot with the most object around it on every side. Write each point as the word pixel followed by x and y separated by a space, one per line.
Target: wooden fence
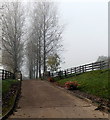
pixel 81 69
pixel 4 74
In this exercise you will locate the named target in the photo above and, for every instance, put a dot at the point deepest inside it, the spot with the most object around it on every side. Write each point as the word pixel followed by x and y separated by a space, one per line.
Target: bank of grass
pixel 6 86
pixel 94 82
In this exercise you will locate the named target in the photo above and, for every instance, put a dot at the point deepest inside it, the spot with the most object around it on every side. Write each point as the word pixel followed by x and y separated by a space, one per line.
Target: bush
pixel 71 85
pixel 50 79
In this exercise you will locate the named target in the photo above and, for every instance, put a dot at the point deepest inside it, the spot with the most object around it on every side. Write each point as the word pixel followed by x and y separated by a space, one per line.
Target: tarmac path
pixel 40 99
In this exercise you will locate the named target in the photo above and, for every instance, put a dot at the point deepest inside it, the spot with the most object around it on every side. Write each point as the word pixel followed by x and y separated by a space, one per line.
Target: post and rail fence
pixel 4 74
pixel 81 69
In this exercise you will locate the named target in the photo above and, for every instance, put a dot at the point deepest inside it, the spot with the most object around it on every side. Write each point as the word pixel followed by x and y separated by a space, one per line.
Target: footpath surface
pixel 42 100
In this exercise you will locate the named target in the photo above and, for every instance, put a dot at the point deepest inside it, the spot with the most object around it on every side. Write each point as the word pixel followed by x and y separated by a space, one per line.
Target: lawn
pixel 9 92
pixel 94 82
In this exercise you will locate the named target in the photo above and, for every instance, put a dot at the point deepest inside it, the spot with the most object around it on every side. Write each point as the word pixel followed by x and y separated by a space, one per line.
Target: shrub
pixel 50 79
pixel 71 85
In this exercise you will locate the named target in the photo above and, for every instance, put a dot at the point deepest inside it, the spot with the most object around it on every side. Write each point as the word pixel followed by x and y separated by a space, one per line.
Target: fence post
pixel 92 66
pixel 100 65
pixel 2 74
pixel 65 73
pixel 71 70
pixel 83 68
pixel 79 69
pixel 7 75
pixel 49 74
pixel 75 70
pixel 13 76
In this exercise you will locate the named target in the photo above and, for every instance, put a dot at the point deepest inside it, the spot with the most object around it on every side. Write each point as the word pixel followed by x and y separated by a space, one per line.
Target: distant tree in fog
pixel 102 58
pixel 12 33
pixel 46 34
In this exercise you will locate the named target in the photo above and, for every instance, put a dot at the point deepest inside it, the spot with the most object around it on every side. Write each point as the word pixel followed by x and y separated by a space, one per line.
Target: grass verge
pixel 6 85
pixel 93 82
pixel 9 93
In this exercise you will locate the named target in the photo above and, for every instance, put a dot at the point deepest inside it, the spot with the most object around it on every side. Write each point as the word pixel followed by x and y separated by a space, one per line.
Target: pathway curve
pixel 42 100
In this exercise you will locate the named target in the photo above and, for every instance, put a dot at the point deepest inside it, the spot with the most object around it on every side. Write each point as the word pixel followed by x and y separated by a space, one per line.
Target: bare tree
pixel 31 59
pixel 12 34
pixel 45 35
pixel 51 30
pixel 102 58
pixel 34 46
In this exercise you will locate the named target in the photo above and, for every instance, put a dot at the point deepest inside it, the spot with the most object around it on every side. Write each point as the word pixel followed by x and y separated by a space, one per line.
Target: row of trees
pixel 36 35
pixel 12 33
pixel 46 35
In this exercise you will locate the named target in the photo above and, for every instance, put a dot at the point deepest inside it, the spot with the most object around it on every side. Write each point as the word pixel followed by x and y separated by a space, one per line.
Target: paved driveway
pixel 42 100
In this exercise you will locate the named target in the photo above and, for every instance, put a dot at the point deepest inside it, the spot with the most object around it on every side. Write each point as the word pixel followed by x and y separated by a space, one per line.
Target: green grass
pixel 94 82
pixel 6 84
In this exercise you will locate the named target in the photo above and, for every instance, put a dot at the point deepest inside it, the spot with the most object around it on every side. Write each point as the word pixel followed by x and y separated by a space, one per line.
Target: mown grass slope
pixel 93 82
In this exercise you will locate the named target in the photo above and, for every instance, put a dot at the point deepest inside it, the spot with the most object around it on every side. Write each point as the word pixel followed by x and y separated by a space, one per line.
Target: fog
pixel 85 36
pixel 86 32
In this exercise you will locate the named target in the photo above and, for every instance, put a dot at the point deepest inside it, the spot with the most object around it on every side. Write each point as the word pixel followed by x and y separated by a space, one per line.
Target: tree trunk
pixel 44 48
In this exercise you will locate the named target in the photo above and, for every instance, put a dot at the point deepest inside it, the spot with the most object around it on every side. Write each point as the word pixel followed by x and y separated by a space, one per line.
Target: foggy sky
pixel 86 32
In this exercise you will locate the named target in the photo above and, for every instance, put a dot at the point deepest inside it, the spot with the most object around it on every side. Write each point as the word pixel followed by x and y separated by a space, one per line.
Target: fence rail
pixel 82 69
pixel 4 74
